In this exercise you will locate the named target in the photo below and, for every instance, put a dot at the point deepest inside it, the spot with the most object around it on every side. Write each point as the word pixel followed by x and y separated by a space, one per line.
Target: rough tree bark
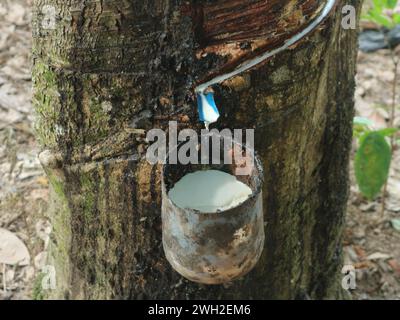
pixel 111 70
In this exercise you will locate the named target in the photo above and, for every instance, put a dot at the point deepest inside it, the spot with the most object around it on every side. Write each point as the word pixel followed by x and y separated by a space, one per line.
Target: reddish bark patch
pixel 241 29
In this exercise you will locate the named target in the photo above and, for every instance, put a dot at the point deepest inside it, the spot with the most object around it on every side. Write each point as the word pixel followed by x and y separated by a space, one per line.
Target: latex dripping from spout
pixel 207 108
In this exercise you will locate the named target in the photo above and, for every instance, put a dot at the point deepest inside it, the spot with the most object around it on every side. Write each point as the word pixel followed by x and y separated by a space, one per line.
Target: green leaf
pixel 391 4
pixel 396 18
pixel 366 17
pixel 387 132
pixel 358 131
pixel 360 126
pixel 376 13
pixel 372 164
pixel 378 5
pixel 396 224
pixel 381 19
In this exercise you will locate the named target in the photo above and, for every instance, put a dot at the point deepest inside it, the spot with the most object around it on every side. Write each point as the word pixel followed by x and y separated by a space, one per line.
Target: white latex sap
pixel 209 191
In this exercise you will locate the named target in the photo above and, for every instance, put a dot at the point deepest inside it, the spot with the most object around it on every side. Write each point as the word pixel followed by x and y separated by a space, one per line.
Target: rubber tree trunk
pixel 105 72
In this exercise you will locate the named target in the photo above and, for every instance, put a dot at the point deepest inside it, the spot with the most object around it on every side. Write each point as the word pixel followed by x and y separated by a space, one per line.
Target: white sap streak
pixel 209 191
pixel 252 63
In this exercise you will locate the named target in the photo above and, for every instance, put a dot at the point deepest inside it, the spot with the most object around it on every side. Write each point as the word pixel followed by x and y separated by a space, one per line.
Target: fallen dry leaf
pixel 395 265
pixel 362 265
pixel 360 252
pixel 378 256
pixel 43 181
pixel 379 117
pixel 12 250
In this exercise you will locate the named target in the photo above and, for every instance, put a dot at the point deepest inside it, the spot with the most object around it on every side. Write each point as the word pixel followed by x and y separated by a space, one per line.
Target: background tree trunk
pixel 111 70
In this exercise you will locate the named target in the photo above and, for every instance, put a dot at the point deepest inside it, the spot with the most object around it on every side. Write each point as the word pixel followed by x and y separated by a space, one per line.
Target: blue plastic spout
pixel 208 112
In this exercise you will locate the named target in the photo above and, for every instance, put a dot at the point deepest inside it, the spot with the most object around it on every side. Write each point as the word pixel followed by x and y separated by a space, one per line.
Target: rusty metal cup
pixel 213 248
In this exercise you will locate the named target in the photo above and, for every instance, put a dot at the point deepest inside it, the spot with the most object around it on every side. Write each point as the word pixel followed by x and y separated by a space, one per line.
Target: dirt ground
pixel 371 243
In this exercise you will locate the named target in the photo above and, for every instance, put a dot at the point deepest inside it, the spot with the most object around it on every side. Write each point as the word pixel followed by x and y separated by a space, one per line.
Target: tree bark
pixel 111 70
